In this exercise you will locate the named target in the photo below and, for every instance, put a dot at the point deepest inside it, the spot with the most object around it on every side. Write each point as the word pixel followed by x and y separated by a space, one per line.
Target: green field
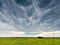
pixel 29 41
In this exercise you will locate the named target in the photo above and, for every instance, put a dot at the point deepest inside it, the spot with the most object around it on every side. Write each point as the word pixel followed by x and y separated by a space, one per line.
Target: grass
pixel 29 41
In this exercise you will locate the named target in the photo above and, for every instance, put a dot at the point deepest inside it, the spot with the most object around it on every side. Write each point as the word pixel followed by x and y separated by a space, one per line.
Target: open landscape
pixel 29 22
pixel 29 41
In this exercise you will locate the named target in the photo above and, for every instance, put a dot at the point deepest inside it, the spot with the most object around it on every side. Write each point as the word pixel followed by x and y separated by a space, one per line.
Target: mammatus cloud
pixel 28 17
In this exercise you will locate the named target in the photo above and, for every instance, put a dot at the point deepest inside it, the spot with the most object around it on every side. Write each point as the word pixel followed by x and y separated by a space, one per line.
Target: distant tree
pixel 40 37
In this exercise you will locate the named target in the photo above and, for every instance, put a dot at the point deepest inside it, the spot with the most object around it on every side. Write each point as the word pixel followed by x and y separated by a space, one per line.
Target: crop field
pixel 29 41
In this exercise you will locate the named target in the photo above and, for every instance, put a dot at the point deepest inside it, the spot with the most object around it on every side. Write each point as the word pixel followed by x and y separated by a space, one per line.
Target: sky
pixel 29 18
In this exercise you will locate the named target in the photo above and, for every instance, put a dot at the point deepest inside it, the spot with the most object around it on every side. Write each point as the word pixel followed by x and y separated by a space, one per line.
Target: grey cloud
pixel 31 17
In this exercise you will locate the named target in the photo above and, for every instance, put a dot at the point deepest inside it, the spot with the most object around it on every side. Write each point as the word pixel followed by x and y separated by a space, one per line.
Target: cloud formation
pixel 30 16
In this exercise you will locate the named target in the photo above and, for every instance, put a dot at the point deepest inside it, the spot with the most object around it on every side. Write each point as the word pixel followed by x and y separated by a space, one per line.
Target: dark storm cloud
pixel 44 3
pixel 24 2
pixel 1 4
pixel 31 15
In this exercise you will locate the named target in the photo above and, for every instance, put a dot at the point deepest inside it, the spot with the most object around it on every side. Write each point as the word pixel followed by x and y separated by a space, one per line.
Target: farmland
pixel 29 41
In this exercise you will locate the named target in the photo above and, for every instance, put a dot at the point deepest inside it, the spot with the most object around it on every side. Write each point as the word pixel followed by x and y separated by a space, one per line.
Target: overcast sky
pixel 29 18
